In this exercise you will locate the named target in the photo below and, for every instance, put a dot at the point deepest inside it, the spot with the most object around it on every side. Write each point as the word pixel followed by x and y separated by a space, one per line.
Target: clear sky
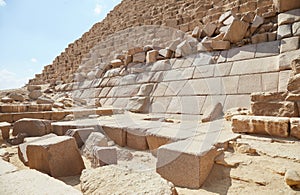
pixel 34 32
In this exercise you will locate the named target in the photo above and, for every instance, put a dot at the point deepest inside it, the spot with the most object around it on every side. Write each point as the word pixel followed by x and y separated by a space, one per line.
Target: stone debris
pixel 114 179
pixel 80 135
pixel 94 139
pixel 103 156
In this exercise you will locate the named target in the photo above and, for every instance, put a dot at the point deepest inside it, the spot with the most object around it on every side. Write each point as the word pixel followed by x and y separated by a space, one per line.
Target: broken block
pixel 185 163
pixel 295 127
pixel 57 156
pixel 5 127
pixel 80 135
pixel 266 125
pixel 94 139
pixel 104 156
pixel 32 127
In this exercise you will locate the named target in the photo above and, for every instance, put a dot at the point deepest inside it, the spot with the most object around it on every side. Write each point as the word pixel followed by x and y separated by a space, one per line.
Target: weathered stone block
pixel 138 104
pixel 274 126
pixel 286 5
pixel 94 139
pixel 80 135
pixel 236 31
pixel 32 127
pixel 295 127
pixel 5 127
pixel 289 44
pixel 268 96
pixel 185 163
pixel 104 156
pixel 279 109
pixel 294 84
pixel 56 156
pixel 284 31
pixel 115 133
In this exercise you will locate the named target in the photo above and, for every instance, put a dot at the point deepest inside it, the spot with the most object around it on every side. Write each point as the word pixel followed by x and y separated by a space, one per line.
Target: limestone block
pixel 161 65
pixel 274 126
pixel 268 96
pixel 145 90
pixel 35 94
pixel 185 163
pixel 179 74
pixel 209 29
pixel 204 71
pixel 43 100
pixel 236 31
pixel 174 88
pixel 138 104
pixel 230 84
pixel 33 182
pixel 94 139
pixel 213 112
pixel 116 133
pixel 152 56
pixel 284 31
pixel 33 87
pixel 289 17
pixel 22 148
pixel 284 77
pixel 220 45
pixel 289 44
pixel 80 135
pixel 285 59
pixel 254 66
pixel 160 104
pixel 259 38
pixel 296 29
pixel 233 101
pixel 196 32
pixel 174 44
pixel 7 100
pixel 16 97
pixel 224 16
pixel 139 57
pixel 103 156
pixel 295 127
pixel 184 48
pixel 32 127
pixel 5 127
pixel 286 5
pixel 257 21
pixel 235 112
pixel 250 83
pixel 279 109
pixel 270 82
pixel 166 53
pixel 241 53
pixel 56 156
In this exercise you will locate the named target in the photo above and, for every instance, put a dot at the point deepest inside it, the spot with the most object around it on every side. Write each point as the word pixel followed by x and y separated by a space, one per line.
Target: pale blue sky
pixel 34 32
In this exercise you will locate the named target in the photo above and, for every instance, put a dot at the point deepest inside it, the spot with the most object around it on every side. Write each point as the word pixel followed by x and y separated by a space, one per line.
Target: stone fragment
pixel 44 100
pixel 213 112
pixel 33 182
pixel 278 109
pixel 166 53
pixel 210 29
pixel 296 29
pixel 257 21
pixel 32 127
pixel 80 135
pixel 138 104
pixel 294 84
pixel 289 44
pixel 174 44
pixel 184 48
pixel 296 66
pixel 94 139
pixel 57 156
pixel 224 16
pixel 35 94
pixel 135 50
pixel 196 32
pixel 103 156
pixel 289 17
pixel 5 127
pixel 292 178
pixel 295 127
pixel 284 31
pixel 116 63
pixel 236 32
pixel 191 157
pixel 235 111
pixel 108 179
pixel 33 87
pixel 16 97
pixel 220 45
pixel 152 56
pixel 274 126
pixel 229 20
pixel 139 57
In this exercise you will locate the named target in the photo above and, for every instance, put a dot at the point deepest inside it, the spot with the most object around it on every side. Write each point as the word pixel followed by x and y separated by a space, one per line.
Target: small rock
pixel 35 94
pixel 16 97
pixel 292 178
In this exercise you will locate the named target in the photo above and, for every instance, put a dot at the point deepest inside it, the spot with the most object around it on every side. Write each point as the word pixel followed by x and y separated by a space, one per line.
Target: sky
pixel 34 32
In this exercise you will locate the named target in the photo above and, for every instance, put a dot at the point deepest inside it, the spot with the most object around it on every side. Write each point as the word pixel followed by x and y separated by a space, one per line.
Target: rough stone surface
pixel 33 182
pixel 295 127
pixel 35 94
pixel 80 135
pixel 236 31
pixel 213 112
pixel 57 156
pixel 275 126
pixel 113 179
pixel 185 163
pixel 6 167
pixel 279 109
pixel 94 139
pixel 292 178
pixel 103 156
pixel 32 127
